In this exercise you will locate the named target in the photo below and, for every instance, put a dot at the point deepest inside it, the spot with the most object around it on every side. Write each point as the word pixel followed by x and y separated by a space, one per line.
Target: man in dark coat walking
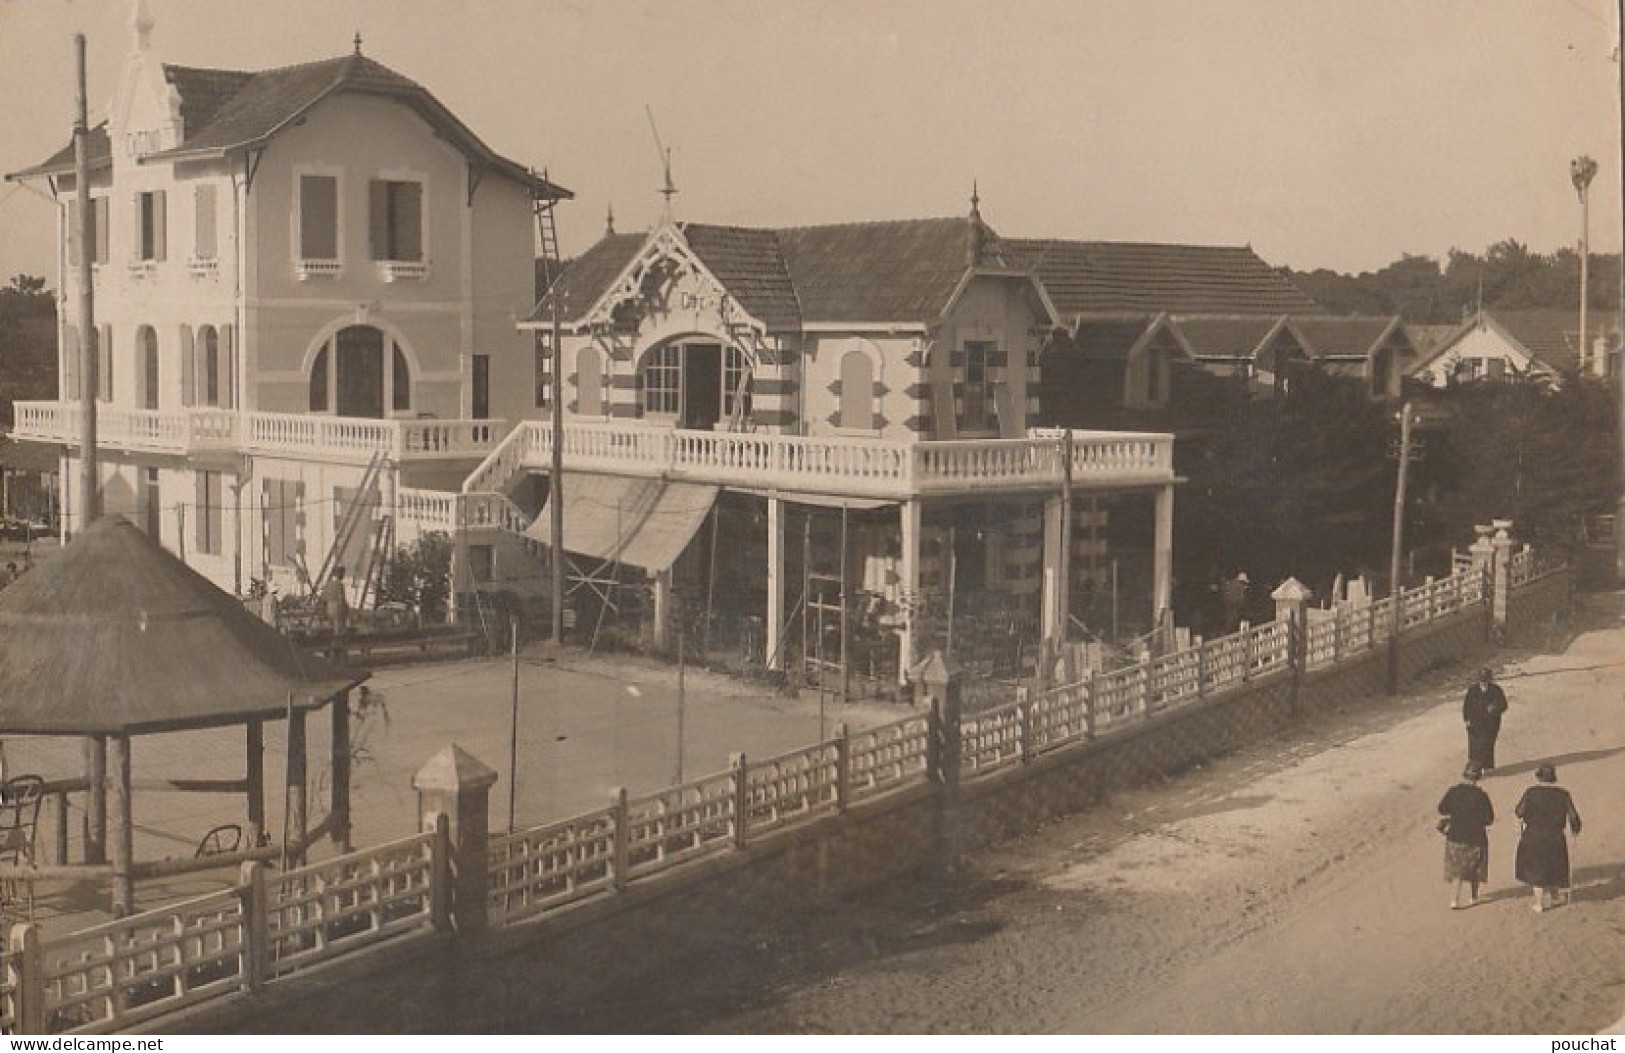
pixel 1481 711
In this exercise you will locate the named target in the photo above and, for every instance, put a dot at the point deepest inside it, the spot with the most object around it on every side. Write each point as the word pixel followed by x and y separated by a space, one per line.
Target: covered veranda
pixel 113 639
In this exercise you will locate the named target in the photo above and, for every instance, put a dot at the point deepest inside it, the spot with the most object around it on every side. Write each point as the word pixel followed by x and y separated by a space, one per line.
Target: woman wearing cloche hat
pixel 1543 851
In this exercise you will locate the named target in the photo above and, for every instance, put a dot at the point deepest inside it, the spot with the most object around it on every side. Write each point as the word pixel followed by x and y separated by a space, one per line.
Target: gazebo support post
pixel 96 799
pixel 118 784
pixel 297 818
pixel 340 809
pixel 254 775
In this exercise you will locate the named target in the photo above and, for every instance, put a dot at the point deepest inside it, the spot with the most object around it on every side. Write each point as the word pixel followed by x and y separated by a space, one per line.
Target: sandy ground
pixel 1295 887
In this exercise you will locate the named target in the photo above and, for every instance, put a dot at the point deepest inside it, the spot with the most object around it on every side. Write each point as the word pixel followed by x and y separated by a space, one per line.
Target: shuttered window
pixel 395 220
pixel 318 217
pixel 206 246
pixel 151 225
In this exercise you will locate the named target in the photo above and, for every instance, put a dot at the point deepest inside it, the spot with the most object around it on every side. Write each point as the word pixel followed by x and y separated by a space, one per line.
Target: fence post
pixel 440 905
pixel 256 925
pixel 1148 695
pixel 28 978
pixel 741 788
pixel 1247 645
pixel 1089 702
pixel 843 767
pixel 457 785
pixel 61 827
pixel 1201 669
pixel 1024 719
pixel 1500 577
pixel 623 839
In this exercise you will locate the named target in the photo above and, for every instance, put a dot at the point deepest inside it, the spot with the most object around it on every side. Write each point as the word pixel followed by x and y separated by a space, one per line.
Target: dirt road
pixel 1294 887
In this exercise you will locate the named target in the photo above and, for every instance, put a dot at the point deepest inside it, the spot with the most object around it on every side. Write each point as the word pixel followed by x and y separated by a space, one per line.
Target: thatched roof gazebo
pixel 114 637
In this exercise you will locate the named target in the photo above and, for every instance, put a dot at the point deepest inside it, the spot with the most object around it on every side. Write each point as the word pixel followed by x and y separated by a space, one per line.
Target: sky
pixel 1324 133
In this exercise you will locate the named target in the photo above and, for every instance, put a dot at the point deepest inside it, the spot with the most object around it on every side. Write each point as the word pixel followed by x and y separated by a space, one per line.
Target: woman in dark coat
pixel 1467 815
pixel 1481 710
pixel 1543 851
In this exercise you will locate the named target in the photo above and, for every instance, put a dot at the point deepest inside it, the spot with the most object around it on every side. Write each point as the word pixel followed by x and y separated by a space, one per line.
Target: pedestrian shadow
pixel 1598 884
pixel 1558 762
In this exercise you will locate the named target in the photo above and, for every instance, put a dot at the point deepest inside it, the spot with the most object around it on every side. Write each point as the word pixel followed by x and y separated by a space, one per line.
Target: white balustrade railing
pixel 301 434
pixel 886 468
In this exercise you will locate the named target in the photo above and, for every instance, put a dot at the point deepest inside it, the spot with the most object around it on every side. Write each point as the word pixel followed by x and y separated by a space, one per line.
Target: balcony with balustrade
pixel 303 435
pixel 881 469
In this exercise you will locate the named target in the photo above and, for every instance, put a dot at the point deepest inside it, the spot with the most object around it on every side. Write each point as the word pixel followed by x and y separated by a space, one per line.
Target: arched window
pixel 360 372
pixel 589 384
pixel 146 341
pixel 857 391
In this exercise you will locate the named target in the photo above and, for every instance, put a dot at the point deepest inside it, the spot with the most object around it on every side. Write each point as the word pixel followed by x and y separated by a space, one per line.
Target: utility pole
pixel 1619 358
pixel 90 491
pixel 1397 555
pixel 1582 170
pixel 556 481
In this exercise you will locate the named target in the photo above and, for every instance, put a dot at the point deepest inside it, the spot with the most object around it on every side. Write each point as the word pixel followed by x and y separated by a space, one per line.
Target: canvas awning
pixel 639 522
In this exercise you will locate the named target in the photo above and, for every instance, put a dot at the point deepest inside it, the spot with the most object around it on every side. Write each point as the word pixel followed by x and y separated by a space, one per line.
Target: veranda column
pixel 339 806
pixel 1162 574
pixel 661 589
pixel 254 776
pixel 1052 617
pixel 96 805
pixel 295 822
pixel 771 653
pixel 118 788
pixel 909 515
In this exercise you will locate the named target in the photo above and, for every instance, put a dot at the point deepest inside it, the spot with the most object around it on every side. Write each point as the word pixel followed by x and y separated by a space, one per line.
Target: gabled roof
pixel 98 151
pixel 1229 337
pixel 904 272
pixel 1093 277
pixel 1330 337
pixel 751 267
pixel 228 110
pixel 115 635
pixel 1549 335
pixel 1107 338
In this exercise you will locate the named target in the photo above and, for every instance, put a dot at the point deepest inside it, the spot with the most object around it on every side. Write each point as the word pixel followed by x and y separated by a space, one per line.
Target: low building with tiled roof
pixel 305 284
pixel 1538 343
pixel 758 375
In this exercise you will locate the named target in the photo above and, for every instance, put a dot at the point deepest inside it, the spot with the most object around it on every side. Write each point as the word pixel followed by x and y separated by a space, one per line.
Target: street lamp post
pixel 1396 556
pixel 1582 170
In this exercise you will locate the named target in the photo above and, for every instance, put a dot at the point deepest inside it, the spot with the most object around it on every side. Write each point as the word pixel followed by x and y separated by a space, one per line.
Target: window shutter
pixel 100 228
pixel 318 217
pixel 409 221
pixel 378 219
pixel 160 224
pixel 203 200
pixel 188 368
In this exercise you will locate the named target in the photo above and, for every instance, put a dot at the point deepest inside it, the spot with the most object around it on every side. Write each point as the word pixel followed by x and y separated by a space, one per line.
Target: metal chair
pixel 20 800
pixel 222 840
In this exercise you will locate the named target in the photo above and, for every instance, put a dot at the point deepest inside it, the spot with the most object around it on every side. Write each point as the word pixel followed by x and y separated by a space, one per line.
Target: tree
pixel 27 343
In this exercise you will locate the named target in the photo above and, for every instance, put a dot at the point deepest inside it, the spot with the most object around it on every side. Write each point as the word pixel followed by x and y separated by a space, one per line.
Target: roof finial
pixel 141 23
pixel 973 248
pixel 609 220
pixel 358 42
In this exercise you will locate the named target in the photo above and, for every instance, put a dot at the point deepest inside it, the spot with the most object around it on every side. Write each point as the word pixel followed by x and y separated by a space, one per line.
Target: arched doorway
pixel 360 372
pixel 697 381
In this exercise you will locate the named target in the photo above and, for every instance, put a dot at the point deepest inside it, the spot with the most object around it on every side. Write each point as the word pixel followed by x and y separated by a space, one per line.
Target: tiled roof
pixel 98 150
pixel 1348 336
pixel 1552 334
pixel 223 110
pixel 1088 277
pixel 878 272
pixel 589 276
pixel 902 272
pixel 750 266
pixel 1106 338
pixel 1226 336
